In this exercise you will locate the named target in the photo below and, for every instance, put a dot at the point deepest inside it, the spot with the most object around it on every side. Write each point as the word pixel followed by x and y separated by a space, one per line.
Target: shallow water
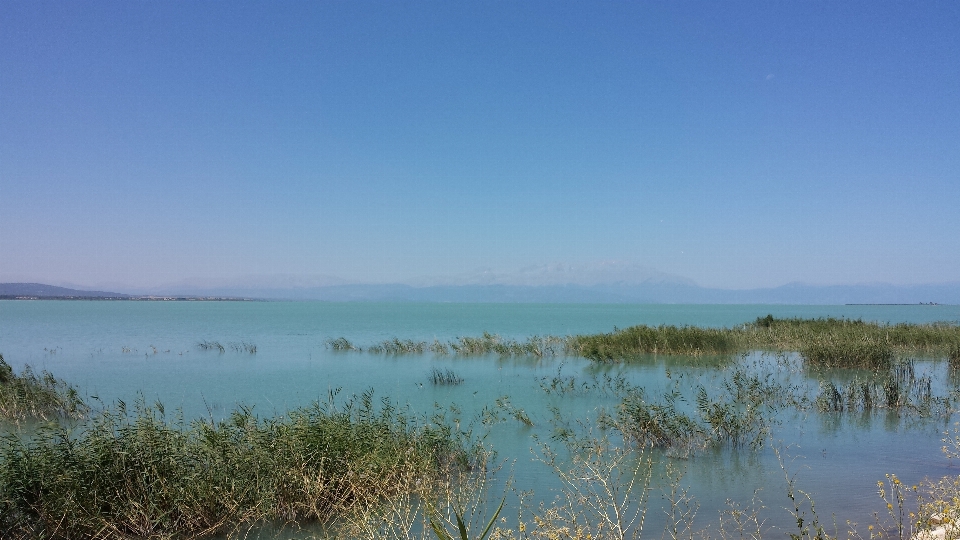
pixel 148 350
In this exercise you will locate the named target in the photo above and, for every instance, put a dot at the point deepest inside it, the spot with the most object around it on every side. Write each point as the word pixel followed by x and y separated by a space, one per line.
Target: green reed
pixel 138 474
pixel 664 339
pixel 28 395
pixel 899 388
pixel 823 342
pixel 740 412
pixel 830 342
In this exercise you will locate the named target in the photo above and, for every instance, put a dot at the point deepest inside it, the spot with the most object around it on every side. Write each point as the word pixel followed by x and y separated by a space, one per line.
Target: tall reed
pixel 27 395
pixel 636 340
pixel 139 475
pixel 444 377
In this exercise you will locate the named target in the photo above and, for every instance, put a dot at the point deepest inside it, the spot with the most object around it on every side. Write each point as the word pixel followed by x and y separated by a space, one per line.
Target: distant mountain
pixel 642 293
pixel 39 290
pixel 561 274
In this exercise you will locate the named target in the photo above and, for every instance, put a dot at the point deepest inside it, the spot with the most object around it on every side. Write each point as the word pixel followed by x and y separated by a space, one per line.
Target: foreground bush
pixel 139 475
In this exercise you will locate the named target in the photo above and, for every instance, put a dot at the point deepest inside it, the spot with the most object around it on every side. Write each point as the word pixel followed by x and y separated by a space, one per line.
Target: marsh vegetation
pixel 139 474
pixel 824 343
pixel 362 468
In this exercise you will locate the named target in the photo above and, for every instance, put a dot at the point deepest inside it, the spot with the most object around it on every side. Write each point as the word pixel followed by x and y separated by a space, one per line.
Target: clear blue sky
pixel 737 144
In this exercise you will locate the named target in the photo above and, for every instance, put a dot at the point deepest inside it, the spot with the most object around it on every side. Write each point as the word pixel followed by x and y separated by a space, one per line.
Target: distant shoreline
pixel 133 298
pixel 913 304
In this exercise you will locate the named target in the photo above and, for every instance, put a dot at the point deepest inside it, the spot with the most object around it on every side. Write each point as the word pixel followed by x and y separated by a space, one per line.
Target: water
pixel 148 350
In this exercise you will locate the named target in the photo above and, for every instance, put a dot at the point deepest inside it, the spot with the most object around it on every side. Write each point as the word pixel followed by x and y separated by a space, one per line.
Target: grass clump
pixel 445 377
pixel 138 475
pixel 830 352
pixel 341 344
pixel 899 388
pixel 397 346
pixel 740 413
pixel 494 344
pixel 30 396
pixel 658 424
pixel 637 340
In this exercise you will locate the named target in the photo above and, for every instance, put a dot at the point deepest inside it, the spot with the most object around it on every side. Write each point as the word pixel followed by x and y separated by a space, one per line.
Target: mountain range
pixel 662 291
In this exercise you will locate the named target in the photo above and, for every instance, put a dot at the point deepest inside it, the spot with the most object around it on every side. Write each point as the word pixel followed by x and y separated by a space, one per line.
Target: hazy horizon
pixel 733 145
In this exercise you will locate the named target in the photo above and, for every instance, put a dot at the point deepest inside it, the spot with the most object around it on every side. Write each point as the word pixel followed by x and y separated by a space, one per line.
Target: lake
pixel 130 350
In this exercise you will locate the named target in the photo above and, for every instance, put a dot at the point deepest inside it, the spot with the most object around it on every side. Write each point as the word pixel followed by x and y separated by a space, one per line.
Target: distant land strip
pixel 39 291
pixel 902 304
pixel 133 298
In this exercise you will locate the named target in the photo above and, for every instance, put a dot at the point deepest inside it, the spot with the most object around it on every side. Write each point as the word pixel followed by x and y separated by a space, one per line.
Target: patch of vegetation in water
pixel 664 339
pixel 461 346
pixel 27 395
pixel 849 343
pixel 824 343
pixel 740 412
pixel 898 388
pixel 445 377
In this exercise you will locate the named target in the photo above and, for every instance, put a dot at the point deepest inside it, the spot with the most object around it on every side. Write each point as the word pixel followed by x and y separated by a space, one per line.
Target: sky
pixel 737 144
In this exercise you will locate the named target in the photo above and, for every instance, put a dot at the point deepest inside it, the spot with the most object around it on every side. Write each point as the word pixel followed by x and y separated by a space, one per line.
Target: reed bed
pixel 139 475
pixel 26 395
pixel 835 342
pixel 462 346
pixel 897 389
pixel 493 344
pixel 823 342
pixel 397 346
pixel 664 339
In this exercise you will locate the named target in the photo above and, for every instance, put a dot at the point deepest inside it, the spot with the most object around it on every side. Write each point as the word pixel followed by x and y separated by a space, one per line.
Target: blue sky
pixel 737 144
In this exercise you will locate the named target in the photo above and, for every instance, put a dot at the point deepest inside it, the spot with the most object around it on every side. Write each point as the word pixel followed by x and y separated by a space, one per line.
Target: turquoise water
pixel 148 350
